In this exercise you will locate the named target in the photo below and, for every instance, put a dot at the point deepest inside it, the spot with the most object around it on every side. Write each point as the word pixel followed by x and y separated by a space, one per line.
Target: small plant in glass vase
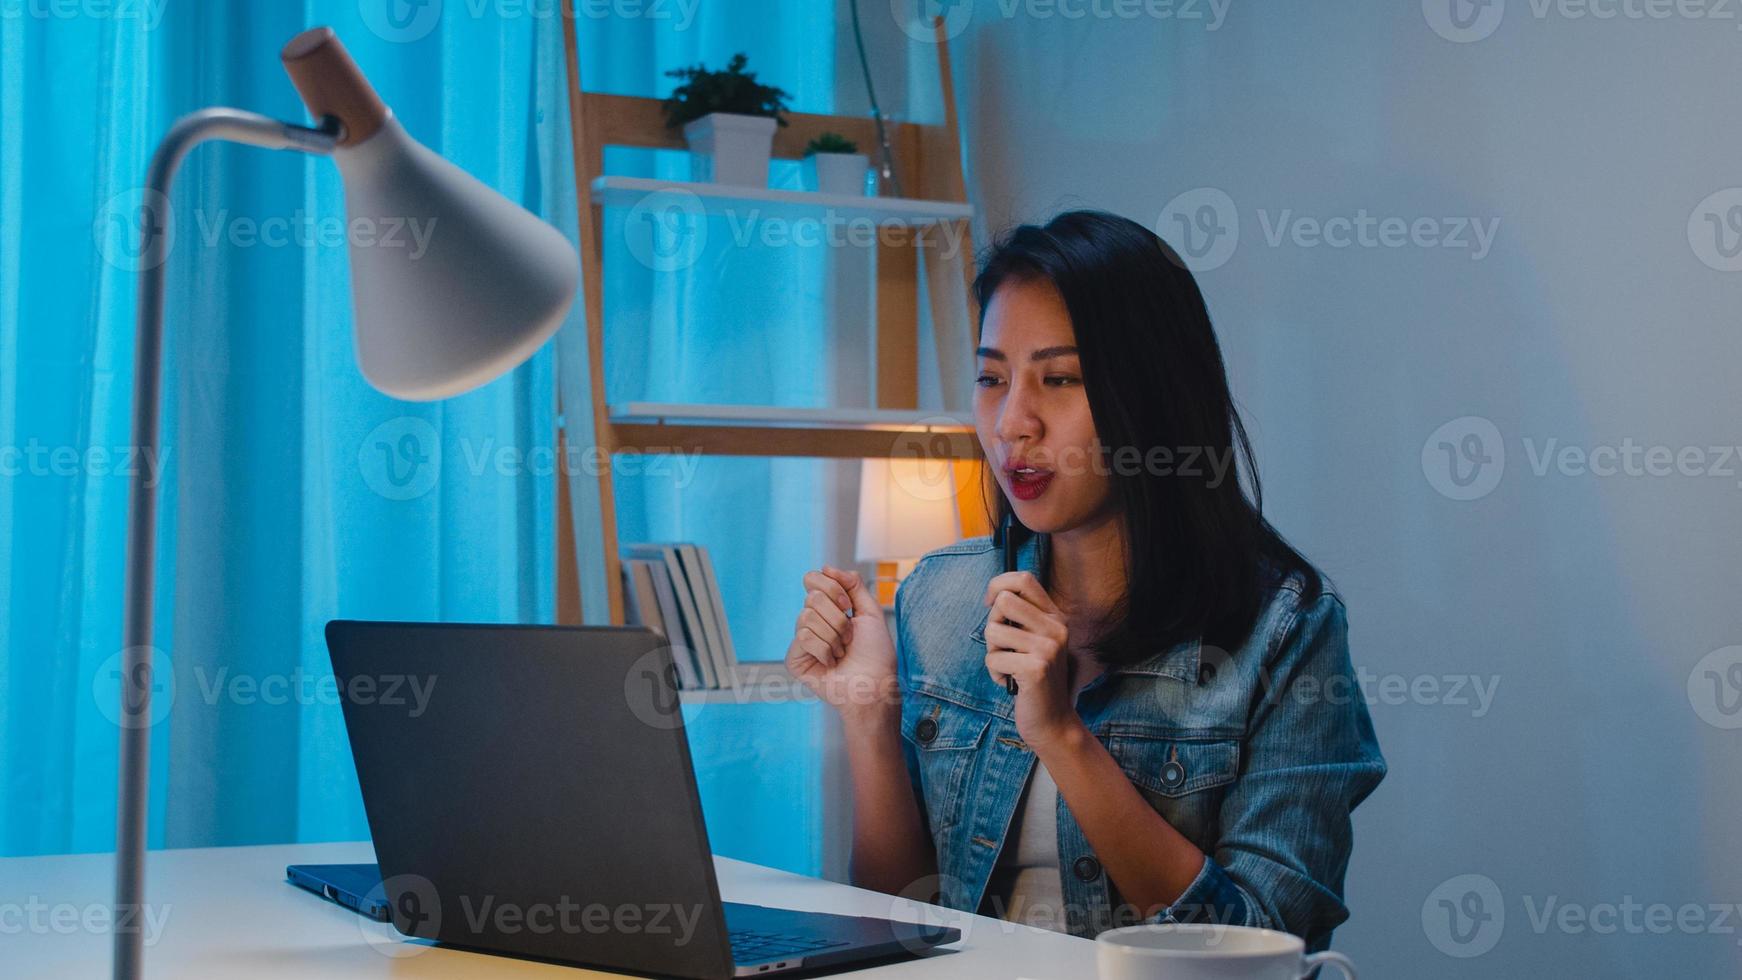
pixel 728 119
pixel 834 165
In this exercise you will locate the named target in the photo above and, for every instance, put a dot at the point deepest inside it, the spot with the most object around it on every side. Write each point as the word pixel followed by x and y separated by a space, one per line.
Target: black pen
pixel 1010 566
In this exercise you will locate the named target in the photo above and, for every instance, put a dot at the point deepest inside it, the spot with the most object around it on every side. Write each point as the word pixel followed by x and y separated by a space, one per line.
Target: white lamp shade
pixel 453 284
pixel 905 509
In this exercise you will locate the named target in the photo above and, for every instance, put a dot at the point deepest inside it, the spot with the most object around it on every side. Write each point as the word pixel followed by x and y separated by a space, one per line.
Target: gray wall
pixel 1598 781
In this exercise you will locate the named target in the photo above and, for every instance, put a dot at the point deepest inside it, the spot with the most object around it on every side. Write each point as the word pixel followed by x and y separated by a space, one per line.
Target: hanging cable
pixel 887 168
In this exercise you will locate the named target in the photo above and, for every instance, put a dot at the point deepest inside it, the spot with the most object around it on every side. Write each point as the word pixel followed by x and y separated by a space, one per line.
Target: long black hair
pixel 1201 558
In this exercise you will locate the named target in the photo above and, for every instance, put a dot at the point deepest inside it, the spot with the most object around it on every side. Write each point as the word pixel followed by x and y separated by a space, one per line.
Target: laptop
pixel 530 792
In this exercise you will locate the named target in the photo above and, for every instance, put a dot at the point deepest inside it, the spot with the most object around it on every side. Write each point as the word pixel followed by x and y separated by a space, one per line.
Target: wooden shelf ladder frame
pixel 929 159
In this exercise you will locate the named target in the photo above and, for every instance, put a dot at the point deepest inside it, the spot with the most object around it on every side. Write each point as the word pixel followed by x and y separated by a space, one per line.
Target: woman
pixel 1185 741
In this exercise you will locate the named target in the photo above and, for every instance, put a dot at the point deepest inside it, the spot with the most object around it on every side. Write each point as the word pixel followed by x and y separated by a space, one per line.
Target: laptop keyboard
pixel 750 946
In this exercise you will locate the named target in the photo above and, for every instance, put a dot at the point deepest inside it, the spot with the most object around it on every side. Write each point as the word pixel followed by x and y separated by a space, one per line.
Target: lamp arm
pixel 191 130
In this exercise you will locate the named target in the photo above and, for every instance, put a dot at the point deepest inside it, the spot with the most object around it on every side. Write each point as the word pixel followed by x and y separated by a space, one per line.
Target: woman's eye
pixel 1060 379
pixel 986 380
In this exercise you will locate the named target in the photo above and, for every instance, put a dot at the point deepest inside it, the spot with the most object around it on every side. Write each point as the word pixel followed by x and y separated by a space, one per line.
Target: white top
pixel 1026 886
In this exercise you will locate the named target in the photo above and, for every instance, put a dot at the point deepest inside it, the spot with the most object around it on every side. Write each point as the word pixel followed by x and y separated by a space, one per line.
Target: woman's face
pixel 1031 411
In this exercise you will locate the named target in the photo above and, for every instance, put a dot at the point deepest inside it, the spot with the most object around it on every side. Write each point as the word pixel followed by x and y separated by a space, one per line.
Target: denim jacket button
pixel 926 730
pixel 1173 774
pixel 1087 868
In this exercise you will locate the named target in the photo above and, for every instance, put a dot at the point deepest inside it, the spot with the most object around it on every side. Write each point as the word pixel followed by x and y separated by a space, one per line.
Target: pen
pixel 1010 566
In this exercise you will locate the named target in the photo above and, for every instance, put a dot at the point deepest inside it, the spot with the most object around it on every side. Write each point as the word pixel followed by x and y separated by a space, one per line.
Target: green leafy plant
pixel 730 90
pixel 831 143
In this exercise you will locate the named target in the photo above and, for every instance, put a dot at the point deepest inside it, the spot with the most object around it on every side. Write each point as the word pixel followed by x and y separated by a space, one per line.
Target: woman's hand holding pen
pixel 1026 638
pixel 847 660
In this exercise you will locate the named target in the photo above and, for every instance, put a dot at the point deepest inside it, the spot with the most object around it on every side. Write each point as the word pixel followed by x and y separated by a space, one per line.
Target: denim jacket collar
pixel 1183 661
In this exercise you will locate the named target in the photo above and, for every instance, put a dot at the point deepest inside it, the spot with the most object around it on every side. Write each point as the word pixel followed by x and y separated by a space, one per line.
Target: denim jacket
pixel 1257 755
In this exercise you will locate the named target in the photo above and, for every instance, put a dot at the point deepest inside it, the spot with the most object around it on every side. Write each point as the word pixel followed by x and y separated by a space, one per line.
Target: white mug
pixel 1208 952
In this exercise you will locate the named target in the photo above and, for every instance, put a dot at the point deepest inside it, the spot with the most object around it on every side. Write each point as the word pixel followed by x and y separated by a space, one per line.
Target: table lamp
pixel 492 286
pixel 907 507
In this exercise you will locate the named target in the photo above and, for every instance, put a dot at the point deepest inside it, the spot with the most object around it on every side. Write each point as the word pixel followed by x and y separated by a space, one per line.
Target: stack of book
pixel 671 588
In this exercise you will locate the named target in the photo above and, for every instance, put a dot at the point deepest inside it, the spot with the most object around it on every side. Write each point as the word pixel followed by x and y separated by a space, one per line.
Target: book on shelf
pixel 687 572
pixel 707 610
pixel 686 636
pixel 649 601
pixel 713 582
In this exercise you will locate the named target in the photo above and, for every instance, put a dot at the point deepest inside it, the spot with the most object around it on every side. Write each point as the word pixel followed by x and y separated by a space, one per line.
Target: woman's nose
pixel 1016 417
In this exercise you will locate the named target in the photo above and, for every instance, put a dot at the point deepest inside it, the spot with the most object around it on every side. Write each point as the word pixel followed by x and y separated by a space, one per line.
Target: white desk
pixel 226 912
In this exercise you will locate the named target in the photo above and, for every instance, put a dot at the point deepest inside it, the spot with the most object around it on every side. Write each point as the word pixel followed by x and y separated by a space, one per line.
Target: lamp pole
pixel 235 126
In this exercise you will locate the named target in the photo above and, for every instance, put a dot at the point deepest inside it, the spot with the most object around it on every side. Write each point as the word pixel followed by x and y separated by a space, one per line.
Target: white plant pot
pixel 836 173
pixel 726 148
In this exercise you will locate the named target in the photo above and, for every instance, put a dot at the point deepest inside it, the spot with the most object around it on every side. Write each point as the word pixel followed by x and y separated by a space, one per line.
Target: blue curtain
pixel 291 492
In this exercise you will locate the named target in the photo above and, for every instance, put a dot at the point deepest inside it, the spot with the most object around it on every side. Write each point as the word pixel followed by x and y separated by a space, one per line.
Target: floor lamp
pixel 491 287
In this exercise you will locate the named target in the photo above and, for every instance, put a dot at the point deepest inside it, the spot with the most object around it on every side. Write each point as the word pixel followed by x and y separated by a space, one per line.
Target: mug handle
pixel 1327 958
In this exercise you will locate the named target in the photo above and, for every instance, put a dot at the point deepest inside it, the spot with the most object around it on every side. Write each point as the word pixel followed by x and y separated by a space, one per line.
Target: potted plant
pixel 728 119
pixel 834 165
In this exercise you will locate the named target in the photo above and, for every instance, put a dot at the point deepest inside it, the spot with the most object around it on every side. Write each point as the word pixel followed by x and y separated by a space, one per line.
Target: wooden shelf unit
pixel 928 160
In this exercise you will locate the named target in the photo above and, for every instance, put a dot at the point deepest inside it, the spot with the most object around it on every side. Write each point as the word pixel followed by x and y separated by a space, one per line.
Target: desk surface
pixel 227 912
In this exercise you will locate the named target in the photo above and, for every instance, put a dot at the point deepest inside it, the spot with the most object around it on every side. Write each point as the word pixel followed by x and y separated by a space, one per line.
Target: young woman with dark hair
pixel 1184 739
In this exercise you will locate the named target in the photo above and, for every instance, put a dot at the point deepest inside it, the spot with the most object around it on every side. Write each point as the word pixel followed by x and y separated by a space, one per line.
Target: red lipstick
pixel 1027 481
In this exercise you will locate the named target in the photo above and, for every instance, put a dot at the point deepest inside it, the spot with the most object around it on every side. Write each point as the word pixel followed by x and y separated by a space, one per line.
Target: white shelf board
pixel 647 413
pixel 743 201
pixel 758 682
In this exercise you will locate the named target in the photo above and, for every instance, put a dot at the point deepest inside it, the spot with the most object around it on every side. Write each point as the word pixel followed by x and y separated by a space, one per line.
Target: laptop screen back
pixel 530 790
